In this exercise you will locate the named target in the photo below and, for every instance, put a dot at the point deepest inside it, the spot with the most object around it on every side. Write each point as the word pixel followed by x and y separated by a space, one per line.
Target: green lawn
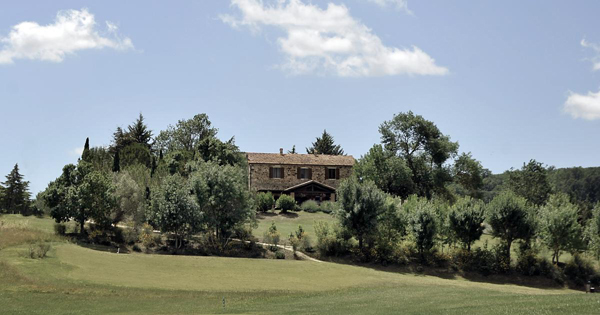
pixel 288 223
pixel 76 280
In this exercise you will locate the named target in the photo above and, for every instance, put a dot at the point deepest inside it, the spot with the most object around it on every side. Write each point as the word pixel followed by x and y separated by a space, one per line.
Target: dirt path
pixel 289 248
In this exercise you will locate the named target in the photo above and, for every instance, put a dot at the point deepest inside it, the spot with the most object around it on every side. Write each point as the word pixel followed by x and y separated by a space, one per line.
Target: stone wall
pixel 260 181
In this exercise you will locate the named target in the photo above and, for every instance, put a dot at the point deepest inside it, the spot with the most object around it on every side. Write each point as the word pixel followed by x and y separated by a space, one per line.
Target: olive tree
pixel 558 225
pixel 360 207
pixel 466 220
pixel 223 196
pixel 174 209
pixel 510 218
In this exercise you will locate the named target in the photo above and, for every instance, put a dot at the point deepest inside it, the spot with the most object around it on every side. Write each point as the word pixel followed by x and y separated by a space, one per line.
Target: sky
pixel 509 80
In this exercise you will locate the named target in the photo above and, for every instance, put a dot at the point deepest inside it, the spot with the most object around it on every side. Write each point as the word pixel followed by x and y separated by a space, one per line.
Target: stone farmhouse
pixel 302 176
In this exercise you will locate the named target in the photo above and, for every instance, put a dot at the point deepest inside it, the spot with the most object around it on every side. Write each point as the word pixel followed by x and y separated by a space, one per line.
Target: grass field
pixel 288 223
pixel 77 280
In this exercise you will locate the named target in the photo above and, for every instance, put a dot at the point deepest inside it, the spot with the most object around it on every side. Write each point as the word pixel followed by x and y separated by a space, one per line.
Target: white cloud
pixel 583 106
pixel 330 40
pixel 71 31
pixel 596 48
pixel 401 5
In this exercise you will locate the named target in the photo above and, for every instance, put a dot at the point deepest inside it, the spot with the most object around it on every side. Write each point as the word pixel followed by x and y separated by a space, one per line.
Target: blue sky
pixel 509 80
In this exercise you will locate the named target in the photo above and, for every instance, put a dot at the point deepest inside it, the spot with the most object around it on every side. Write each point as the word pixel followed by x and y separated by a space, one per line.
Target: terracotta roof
pixel 300 159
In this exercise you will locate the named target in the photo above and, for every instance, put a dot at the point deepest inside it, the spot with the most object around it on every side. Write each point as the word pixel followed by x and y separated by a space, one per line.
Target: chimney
pixel 281 151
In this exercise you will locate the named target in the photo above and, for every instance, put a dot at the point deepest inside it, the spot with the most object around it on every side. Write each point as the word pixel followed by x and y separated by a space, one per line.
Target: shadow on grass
pixel 447 273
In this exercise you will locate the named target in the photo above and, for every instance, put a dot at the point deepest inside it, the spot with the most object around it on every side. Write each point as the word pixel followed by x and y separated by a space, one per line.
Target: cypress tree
pixel 86 150
pixel 153 166
pixel 116 163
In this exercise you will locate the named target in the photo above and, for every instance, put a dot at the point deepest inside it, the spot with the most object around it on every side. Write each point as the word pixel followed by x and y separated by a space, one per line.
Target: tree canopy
pixel 559 228
pixel 531 182
pixel 14 193
pixel 361 204
pixel 423 147
pixel 511 218
pixel 325 145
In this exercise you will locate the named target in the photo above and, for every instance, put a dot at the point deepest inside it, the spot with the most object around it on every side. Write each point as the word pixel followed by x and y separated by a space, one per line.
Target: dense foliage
pixel 14 193
pixel 324 145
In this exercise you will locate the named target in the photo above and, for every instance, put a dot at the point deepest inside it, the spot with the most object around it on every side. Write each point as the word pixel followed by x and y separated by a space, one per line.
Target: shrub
pixel 482 260
pixel 146 236
pixel 279 255
pixel 131 234
pixel 38 250
pixel 136 248
pixel 332 241
pixel 285 203
pixel 328 206
pixel 579 270
pixel 310 206
pixel 264 201
pixel 60 229
pixel 272 236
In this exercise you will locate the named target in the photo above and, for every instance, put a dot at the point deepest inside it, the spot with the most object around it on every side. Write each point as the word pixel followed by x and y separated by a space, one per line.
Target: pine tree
pixel 116 163
pixel 85 156
pixel 139 132
pixel 16 193
pixel 325 145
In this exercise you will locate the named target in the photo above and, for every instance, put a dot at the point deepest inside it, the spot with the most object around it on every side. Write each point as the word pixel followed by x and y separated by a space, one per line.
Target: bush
pixel 328 206
pixel 146 236
pixel 529 264
pixel 272 236
pixel 482 260
pixel 136 248
pixel 264 201
pixel 286 203
pixel 60 229
pixel 310 206
pixel 332 241
pixel 279 255
pixel 579 270
pixel 130 234
pixel 38 250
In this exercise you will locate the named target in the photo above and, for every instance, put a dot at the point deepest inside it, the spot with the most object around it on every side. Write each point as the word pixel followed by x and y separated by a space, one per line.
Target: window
pixel 332 173
pixel 304 173
pixel 276 172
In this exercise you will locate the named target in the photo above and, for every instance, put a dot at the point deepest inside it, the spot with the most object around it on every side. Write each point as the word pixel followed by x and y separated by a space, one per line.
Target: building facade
pixel 302 176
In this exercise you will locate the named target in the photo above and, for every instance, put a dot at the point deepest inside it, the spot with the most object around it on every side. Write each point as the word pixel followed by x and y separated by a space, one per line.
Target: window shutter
pixel 282 172
pixel 298 173
pixel 337 173
pixel 270 172
pixel 310 173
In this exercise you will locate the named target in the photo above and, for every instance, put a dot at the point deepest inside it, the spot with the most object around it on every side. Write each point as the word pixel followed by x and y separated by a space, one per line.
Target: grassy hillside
pixel 76 280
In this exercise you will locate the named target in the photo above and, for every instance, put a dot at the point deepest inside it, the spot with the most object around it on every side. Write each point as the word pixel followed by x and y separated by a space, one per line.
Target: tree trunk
pixel 82 227
pixel 360 243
